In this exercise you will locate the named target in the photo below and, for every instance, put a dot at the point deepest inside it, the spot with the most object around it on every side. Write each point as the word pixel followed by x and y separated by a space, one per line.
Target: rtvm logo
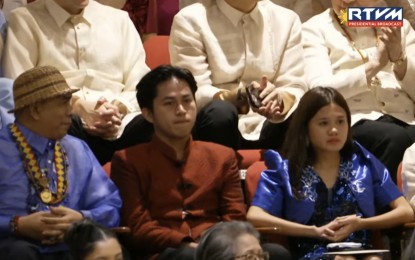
pixel 375 16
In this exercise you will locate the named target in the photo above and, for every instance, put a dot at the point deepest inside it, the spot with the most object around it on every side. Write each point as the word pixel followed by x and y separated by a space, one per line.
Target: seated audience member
pixel 48 178
pixel 374 69
pixel 10 5
pixel 98 50
pixel 330 188
pixel 408 175
pixel 229 44
pixel 230 240
pixel 174 188
pixel 90 241
pixel 308 8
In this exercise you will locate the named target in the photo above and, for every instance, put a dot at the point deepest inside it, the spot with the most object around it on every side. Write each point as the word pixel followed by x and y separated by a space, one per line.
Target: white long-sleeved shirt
pixel 98 51
pixel 225 48
pixel 408 175
pixel 331 60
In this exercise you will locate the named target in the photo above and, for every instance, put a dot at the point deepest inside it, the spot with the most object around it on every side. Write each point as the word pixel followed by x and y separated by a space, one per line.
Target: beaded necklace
pixel 38 179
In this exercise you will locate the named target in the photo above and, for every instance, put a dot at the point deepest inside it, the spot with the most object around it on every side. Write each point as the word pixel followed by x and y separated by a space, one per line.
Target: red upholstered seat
pixel 157 50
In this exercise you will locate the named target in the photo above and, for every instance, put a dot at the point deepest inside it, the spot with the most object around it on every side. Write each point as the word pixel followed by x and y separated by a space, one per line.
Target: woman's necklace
pixel 38 179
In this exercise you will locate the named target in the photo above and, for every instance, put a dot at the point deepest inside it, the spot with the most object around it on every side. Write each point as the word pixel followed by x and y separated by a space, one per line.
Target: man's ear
pixel 35 111
pixel 147 114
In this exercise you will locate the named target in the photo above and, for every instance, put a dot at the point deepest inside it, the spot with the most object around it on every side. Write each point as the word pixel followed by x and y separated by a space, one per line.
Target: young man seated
pixel 175 188
pixel 48 179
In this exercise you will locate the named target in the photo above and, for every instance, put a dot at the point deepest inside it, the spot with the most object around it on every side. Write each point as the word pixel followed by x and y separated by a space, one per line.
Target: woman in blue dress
pixel 330 189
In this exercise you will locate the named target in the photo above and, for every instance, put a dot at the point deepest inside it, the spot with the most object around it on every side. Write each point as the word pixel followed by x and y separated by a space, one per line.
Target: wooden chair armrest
pixel 409 225
pixel 267 230
pixel 121 230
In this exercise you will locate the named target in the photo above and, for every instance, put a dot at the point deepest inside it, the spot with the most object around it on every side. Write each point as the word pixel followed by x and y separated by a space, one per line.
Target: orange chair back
pixel 399 177
pixel 252 178
pixel 157 51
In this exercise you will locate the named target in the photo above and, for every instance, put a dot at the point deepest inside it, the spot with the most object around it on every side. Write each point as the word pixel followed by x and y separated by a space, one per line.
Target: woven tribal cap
pixel 38 84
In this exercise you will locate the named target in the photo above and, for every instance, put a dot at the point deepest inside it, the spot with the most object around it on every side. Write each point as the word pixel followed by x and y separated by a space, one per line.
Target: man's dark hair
pixel 147 87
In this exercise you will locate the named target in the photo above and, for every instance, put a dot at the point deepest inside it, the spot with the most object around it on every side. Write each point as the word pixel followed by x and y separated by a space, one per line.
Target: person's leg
pixel 276 251
pixel 385 139
pixel 182 253
pixel 64 255
pixel 12 249
pixel 273 135
pixel 137 131
pixel 218 123
pixel 102 149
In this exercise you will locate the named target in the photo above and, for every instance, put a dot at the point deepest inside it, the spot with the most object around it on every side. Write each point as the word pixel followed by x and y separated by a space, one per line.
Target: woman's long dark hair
pixel 297 147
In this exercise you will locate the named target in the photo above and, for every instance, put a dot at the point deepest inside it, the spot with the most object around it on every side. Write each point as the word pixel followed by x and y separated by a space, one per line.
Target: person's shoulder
pixel 27 10
pixel 278 12
pixel 196 10
pixel 320 19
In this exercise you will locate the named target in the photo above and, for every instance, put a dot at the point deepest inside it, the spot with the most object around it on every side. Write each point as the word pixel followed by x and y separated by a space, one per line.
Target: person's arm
pixel 100 200
pixel 21 49
pixel 146 233
pixel 260 218
pixel 267 208
pixel 407 67
pixel 186 48
pixel 232 206
pixel 408 173
pixel 289 74
pixel 320 40
pixel 400 213
pixel 134 67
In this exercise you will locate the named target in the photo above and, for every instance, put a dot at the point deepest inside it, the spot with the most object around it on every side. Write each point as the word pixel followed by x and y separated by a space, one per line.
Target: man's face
pixel 174 111
pixel 73 6
pixel 54 116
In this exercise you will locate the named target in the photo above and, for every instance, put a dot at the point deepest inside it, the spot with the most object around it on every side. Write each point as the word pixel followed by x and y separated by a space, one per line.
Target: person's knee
pixel 20 249
pixel 221 112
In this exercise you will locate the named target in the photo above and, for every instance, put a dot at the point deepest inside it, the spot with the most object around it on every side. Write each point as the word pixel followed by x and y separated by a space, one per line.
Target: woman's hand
pixel 346 226
pixel 327 231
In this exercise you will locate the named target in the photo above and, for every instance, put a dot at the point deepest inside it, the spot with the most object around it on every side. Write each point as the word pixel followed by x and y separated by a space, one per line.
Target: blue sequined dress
pixel 329 204
pixel 363 187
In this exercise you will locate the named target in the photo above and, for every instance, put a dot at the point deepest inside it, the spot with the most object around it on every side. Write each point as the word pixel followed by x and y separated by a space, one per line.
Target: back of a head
pixel 82 237
pixel 219 242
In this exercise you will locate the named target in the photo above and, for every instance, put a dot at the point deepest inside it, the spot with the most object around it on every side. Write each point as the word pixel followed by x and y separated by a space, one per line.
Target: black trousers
pixel 387 138
pixel 137 131
pixel 218 123
pixel 13 249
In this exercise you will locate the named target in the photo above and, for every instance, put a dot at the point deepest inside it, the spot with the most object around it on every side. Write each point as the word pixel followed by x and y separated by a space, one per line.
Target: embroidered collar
pixel 236 16
pixel 168 151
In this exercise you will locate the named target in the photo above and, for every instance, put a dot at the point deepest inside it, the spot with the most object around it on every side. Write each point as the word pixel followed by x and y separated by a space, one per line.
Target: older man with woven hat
pixel 48 179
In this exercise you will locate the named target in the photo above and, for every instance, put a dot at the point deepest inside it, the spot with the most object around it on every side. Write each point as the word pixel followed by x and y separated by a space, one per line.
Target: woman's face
pixel 247 244
pixel 342 4
pixel 328 129
pixel 108 249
